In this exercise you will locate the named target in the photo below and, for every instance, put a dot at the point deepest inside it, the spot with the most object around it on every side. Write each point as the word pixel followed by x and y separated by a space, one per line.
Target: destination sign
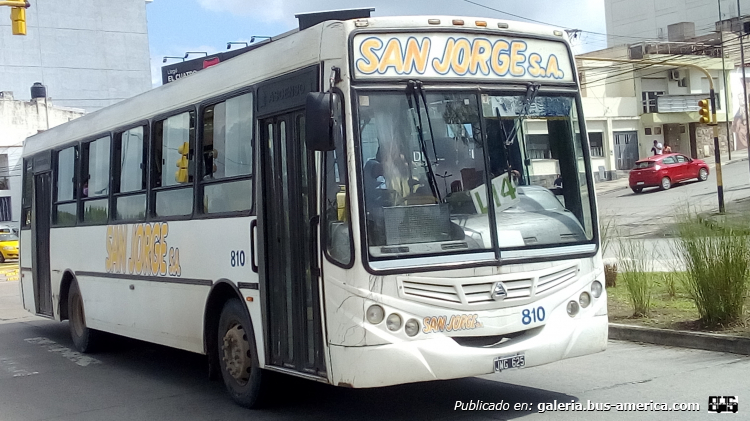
pixel 486 57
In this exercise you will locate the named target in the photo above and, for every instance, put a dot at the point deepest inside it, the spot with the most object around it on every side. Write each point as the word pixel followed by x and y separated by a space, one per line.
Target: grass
pixel 633 265
pixel 717 264
pixel 668 312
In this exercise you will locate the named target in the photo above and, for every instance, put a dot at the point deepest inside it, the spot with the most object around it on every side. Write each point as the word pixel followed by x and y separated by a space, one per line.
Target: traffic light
pixel 18 20
pixel 181 176
pixel 704 112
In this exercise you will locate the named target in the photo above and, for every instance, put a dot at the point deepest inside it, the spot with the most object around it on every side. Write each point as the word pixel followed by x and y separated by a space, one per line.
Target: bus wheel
pixel 85 339
pixel 238 357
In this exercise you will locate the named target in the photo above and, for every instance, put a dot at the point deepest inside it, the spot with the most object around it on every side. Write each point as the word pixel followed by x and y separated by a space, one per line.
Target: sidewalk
pixel 622 183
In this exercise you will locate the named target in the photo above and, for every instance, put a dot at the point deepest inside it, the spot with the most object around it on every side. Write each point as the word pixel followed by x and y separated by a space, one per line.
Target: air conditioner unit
pixel 682 83
pixel 674 75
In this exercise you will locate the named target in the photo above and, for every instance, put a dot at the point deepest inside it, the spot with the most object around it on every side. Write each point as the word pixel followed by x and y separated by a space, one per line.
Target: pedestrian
pixel 657 148
pixel 667 149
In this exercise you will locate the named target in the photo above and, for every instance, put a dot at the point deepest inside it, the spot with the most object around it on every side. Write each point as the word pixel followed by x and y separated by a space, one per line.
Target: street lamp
pixel 172 57
pixel 229 44
pixel 195 52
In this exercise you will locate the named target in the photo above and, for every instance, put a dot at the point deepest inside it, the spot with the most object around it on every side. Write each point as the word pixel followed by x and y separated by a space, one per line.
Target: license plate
pixel 515 361
pixel 640 182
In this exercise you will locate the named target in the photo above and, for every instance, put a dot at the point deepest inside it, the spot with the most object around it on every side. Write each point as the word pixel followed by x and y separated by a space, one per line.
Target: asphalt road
pixel 649 214
pixel 42 378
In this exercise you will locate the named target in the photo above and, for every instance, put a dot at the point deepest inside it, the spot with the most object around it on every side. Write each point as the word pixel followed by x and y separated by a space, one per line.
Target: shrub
pixel 634 265
pixel 716 263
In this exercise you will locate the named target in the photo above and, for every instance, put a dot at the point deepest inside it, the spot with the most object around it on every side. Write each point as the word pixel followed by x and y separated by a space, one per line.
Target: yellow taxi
pixel 8 247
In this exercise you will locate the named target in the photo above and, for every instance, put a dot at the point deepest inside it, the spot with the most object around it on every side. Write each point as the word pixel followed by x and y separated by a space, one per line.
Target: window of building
pixel 5 209
pixel 649 100
pixel 65 210
pixel 173 165
pixel 130 174
pixel 537 146
pixel 228 155
pixel 4 172
pixel 596 143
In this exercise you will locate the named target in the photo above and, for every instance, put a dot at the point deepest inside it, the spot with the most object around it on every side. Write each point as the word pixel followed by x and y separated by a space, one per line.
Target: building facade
pixel 630 105
pixel 630 21
pixel 89 54
pixel 19 120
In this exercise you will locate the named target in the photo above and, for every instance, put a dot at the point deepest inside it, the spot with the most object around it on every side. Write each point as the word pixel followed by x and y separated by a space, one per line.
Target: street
pixel 42 378
pixel 648 214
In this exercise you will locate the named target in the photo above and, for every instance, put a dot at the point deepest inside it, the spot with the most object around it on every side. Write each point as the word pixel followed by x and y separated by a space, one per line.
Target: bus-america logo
pixel 148 253
pixel 455 323
pixel 441 55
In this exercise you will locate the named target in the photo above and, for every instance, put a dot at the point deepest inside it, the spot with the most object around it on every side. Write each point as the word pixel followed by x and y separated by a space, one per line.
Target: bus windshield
pixel 428 161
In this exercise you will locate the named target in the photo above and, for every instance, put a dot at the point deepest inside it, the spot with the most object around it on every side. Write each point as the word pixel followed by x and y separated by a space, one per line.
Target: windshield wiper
pixel 532 89
pixel 413 95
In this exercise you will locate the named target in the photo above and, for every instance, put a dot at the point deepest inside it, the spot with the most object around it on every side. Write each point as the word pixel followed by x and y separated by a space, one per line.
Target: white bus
pixel 366 201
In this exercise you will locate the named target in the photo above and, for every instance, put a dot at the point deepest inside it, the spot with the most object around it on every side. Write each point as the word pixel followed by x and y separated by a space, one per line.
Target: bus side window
pixel 65 209
pixel 27 197
pixel 173 165
pixel 130 174
pixel 95 185
pixel 227 148
pixel 337 223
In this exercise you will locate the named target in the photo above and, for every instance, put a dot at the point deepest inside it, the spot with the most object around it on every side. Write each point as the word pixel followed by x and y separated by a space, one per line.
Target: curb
pixel 680 338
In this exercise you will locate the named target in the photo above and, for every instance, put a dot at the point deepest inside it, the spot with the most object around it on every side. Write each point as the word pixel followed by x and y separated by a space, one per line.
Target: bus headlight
pixel 596 289
pixel 572 308
pixel 393 322
pixel 375 314
pixel 584 299
pixel 411 327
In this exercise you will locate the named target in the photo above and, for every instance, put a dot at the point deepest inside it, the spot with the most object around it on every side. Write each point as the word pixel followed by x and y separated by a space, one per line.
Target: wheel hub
pixel 236 354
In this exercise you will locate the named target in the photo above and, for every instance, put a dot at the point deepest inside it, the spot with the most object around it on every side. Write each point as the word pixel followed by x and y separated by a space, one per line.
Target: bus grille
pixel 475 293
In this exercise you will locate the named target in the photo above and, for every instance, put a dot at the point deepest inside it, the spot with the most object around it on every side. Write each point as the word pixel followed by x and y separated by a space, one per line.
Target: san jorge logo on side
pixel 147 253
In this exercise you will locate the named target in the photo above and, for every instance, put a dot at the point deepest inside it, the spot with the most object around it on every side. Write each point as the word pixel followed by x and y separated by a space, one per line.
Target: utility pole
pixel 724 79
pixel 704 114
pixel 744 81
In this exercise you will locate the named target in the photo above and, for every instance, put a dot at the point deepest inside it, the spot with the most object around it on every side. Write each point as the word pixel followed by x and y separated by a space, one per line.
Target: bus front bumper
pixel 442 358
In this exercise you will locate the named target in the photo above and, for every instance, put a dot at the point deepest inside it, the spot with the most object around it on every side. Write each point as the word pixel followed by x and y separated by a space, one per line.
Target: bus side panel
pixel 150 281
pixel 159 312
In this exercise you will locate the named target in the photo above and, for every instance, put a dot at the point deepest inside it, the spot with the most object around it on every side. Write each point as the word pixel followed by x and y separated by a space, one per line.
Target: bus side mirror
pixel 319 122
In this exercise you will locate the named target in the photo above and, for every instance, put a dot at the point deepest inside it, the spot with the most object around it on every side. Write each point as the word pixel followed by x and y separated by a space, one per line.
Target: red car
pixel 665 170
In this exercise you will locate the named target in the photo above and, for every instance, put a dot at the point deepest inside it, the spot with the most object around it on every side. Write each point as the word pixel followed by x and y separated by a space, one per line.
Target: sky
pixel 178 26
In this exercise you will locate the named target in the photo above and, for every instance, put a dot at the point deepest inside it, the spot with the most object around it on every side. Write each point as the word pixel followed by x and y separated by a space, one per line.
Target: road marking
pixel 52 346
pixel 12 367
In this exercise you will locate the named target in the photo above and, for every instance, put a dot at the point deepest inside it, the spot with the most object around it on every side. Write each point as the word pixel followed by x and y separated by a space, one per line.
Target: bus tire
pixel 238 357
pixel 86 340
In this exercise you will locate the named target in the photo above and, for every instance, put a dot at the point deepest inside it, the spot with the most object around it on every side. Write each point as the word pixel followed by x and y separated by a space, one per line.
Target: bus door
pixel 41 244
pixel 294 324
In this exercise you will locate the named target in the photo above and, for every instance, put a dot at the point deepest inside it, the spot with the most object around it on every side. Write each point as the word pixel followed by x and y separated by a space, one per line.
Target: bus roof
pixel 254 66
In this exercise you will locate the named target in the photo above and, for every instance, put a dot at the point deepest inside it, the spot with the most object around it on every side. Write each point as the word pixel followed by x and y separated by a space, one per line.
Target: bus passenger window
pixel 337 223
pixel 228 155
pixel 130 179
pixel 95 180
pixel 174 165
pixel 27 196
pixel 65 179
